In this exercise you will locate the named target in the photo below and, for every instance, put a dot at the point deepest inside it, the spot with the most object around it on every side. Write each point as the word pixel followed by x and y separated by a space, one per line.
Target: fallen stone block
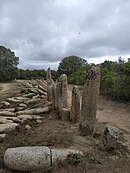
pixel 34 158
pixel 14 119
pixel 5 121
pixel 33 101
pixel 21 98
pixel 7 113
pixel 8 109
pixel 34 111
pixel 30 95
pixel 8 127
pixel 13 100
pixel 42 88
pixel 36 96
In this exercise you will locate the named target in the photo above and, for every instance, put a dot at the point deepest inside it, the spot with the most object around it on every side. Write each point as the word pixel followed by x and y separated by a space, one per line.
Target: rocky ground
pixel 26 119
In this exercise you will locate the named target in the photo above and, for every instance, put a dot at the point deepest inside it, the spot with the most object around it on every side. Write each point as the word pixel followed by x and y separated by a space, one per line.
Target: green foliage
pixel 8 64
pixel 115 80
pixel 31 74
pixel 75 68
pixel 54 75
pixel 74 158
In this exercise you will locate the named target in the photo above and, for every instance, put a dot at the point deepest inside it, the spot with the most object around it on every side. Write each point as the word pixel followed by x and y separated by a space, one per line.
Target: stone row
pixel 57 94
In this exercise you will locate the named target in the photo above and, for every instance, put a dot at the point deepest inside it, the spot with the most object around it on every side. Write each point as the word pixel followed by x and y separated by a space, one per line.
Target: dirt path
pixel 4 87
pixel 117 114
pixel 9 89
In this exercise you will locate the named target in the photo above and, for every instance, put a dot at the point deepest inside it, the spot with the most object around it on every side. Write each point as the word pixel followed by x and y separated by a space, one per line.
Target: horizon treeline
pixel 115 76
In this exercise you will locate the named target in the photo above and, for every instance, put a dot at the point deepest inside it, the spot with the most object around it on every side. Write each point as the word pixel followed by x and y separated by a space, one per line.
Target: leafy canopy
pixel 8 64
pixel 71 64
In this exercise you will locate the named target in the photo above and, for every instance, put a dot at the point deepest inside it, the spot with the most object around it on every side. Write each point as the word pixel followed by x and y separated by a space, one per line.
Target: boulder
pixel 109 138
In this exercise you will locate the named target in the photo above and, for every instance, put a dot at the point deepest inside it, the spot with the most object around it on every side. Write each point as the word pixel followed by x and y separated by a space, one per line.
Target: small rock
pixel 22 105
pixel 28 127
pixel 2 135
pixel 50 118
pixel 39 121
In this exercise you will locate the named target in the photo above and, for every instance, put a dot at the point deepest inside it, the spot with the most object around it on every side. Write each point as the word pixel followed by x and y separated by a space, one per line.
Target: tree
pixel 8 64
pixel 71 64
pixel 115 81
pixel 75 68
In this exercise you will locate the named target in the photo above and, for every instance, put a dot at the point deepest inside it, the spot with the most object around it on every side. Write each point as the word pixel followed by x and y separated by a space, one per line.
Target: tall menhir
pixel 89 102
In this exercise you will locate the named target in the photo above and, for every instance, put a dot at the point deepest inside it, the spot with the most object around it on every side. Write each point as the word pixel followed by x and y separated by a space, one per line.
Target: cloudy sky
pixel 42 32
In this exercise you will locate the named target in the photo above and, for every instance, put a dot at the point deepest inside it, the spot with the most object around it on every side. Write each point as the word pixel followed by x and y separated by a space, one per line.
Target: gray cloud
pixel 43 32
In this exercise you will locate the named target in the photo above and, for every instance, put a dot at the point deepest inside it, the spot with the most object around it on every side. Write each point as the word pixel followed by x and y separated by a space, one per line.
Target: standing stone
pixel 89 102
pixel 49 85
pixel 49 73
pixel 57 96
pixel 62 93
pixel 65 114
pixel 54 95
pixel 75 108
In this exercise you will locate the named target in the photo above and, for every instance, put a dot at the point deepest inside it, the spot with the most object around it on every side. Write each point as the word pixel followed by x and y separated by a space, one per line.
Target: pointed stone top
pixel 49 73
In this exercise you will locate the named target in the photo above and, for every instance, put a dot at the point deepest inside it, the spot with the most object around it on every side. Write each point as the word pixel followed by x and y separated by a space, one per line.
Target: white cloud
pixel 43 32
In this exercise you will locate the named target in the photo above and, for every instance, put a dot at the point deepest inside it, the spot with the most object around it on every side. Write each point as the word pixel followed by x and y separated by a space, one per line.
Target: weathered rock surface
pixel 75 106
pixel 13 100
pixel 3 135
pixel 109 138
pixel 22 105
pixel 89 102
pixel 34 111
pixel 8 127
pixel 5 121
pixel 4 103
pixel 33 158
pixel 28 127
pixel 65 114
pixel 7 113
pixel 62 93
